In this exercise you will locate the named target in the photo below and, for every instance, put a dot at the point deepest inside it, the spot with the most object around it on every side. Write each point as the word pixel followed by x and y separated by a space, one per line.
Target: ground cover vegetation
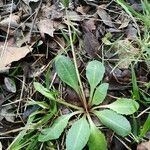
pixel 74 74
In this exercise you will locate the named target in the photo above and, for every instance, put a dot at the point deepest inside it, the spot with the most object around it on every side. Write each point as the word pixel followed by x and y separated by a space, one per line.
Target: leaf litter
pixel 32 34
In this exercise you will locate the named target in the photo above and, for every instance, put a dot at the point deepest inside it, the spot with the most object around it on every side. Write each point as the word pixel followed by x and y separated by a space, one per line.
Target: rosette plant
pixel 83 131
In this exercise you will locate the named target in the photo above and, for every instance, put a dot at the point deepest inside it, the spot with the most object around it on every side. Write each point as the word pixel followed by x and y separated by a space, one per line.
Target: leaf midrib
pixel 75 143
pixel 113 122
pixel 70 77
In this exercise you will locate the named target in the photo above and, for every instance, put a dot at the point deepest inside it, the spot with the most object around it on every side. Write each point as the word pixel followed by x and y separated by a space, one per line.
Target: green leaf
pixel 97 139
pixel 114 121
pixel 136 94
pixel 145 128
pixel 100 94
pixel 66 71
pixel 94 72
pixel 78 135
pixel 124 106
pixel 44 91
pixel 56 129
pixel 42 104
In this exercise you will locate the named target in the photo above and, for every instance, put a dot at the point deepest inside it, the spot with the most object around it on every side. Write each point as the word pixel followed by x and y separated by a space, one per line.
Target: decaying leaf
pixel 7 113
pixel 13 20
pixel 46 26
pixel 73 16
pixel 11 54
pixel 144 146
pixel 126 52
pixel 124 23
pixel 123 20
pixel 90 42
pixel 52 12
pixel 131 32
pixel 10 85
pixel 104 16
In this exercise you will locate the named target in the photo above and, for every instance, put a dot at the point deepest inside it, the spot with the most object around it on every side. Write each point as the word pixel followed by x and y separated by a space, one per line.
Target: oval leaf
pixel 124 106
pixel 97 139
pixel 100 94
pixel 94 72
pixel 44 91
pixel 78 135
pixel 56 129
pixel 66 71
pixel 10 85
pixel 114 121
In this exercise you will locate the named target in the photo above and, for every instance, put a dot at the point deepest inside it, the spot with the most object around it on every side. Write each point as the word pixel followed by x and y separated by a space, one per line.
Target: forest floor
pixel 34 32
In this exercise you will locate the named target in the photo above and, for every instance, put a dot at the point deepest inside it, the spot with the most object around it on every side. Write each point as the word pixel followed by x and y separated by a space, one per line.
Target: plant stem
pixel 103 106
pixel 89 119
pixel 91 96
pixel 83 99
pixel 68 104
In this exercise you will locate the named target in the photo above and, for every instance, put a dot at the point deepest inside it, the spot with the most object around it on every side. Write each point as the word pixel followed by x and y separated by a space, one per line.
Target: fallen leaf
pixel 13 20
pixel 90 42
pixel 11 54
pixel 46 26
pixel 10 85
pixel 126 52
pixel 144 146
pixel 7 113
pixel 80 9
pixel 124 23
pixel 104 16
pixel 73 16
pixel 131 32
pixel 90 24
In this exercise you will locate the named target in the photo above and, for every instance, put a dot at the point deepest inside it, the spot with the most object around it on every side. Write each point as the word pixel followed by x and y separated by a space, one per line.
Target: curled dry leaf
pixel 124 23
pixel 11 54
pixel 123 20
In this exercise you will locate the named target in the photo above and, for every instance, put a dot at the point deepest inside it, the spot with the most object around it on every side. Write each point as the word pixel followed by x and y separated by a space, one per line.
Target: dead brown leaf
pixel 90 42
pixel 124 23
pixel 13 20
pixel 104 16
pixel 126 52
pixel 7 113
pixel 73 16
pixel 46 26
pixel 11 54
pixel 144 146
pixel 131 32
